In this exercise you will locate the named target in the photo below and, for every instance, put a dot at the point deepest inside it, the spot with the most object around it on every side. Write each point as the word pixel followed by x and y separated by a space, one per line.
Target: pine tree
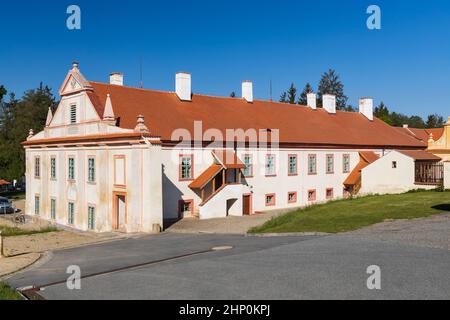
pixel 331 84
pixel 292 94
pixel 233 94
pixel 303 99
pixel 283 97
pixel 434 121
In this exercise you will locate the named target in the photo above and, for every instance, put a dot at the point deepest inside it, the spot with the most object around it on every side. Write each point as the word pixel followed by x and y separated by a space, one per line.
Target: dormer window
pixel 73 114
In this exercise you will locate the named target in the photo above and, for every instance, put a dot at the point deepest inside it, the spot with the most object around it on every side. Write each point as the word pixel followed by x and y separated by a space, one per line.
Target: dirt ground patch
pixel 228 225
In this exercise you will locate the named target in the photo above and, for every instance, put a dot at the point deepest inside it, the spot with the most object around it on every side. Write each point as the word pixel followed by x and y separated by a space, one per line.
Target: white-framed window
pixel 53 168
pixel 91 217
pixel 71 168
pixel 53 209
pixel 270 165
pixel 37 167
pixel 37 205
pixel 270 200
pixel 91 169
pixel 330 163
pixel 71 213
pixel 248 161
pixel 292 163
pixel 73 114
pixel 346 163
pixel 186 167
pixel 312 164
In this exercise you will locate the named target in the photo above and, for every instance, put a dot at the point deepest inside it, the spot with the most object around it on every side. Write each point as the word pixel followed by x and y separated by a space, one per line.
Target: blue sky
pixel 406 63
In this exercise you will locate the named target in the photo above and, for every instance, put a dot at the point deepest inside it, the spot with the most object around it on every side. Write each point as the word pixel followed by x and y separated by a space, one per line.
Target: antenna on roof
pixel 270 90
pixel 141 83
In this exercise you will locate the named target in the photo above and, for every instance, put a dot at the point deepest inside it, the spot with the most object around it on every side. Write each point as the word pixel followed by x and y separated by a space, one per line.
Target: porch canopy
pixel 216 174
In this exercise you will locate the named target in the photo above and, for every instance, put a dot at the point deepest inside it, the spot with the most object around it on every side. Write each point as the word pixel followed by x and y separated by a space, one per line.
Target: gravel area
pixel 431 232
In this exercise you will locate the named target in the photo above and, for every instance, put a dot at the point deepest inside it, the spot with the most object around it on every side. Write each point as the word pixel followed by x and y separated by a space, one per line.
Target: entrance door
pixel 247 205
pixel 120 211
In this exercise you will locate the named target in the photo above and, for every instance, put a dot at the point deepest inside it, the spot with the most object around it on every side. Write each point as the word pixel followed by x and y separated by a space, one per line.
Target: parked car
pixel 6 206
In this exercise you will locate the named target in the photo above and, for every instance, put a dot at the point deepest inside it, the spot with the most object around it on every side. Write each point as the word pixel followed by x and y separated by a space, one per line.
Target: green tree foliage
pixel 398 119
pixel 290 95
pixel 233 94
pixel 17 117
pixel 303 99
pixel 330 83
pixel 435 121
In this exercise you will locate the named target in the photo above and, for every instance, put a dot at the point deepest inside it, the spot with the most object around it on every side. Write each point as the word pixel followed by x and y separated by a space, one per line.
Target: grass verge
pixel 7 293
pixel 13 195
pixel 12 231
pixel 351 214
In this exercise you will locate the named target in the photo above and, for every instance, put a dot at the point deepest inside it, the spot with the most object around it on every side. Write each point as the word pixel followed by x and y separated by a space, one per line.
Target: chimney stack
pixel 183 87
pixel 116 78
pixel 247 91
pixel 312 100
pixel 366 107
pixel 329 103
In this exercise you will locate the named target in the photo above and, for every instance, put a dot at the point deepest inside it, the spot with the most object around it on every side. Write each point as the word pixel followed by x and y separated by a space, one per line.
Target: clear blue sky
pixel 406 64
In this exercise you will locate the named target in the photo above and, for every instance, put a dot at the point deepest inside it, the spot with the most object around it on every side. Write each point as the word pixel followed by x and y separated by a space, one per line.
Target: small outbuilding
pixel 401 171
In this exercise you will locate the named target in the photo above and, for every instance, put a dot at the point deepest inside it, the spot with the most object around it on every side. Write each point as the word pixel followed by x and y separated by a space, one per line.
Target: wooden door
pixel 246 205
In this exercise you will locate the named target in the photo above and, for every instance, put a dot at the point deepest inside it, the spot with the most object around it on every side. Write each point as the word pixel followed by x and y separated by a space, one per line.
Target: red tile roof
pixel 366 158
pixel 4 182
pixel 420 155
pixel 228 159
pixel 206 176
pixel 422 134
pixel 164 113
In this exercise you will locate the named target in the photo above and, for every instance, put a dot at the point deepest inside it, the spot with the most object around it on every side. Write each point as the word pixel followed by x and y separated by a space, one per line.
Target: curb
pixel 291 234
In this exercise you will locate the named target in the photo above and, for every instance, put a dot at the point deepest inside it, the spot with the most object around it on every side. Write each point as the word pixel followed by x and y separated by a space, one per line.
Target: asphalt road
pixel 315 267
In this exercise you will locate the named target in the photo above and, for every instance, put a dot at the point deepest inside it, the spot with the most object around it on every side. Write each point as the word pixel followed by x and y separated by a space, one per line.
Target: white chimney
pixel 329 103
pixel 116 78
pixel 366 107
pixel 247 91
pixel 312 100
pixel 183 86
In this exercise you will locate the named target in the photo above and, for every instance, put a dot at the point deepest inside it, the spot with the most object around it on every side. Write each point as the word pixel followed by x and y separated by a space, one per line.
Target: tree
pixel 283 97
pixel 435 121
pixel 382 113
pixel 303 99
pixel 233 94
pixel 292 94
pixel 331 84
pixel 17 118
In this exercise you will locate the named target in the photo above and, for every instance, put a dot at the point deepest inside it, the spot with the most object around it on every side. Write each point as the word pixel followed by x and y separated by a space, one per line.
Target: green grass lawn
pixel 351 214
pixel 7 293
pixel 11 231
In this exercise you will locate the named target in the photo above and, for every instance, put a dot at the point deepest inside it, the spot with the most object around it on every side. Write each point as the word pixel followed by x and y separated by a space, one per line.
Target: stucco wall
pixel 381 178
pixel 219 206
pixel 447 175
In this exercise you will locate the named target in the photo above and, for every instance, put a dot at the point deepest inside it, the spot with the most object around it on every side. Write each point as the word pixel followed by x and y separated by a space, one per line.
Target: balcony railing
pixel 429 173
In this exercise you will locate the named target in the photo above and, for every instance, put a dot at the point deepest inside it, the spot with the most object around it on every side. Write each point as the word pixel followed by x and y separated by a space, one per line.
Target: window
pixel 71 169
pixel 91 217
pixel 394 164
pixel 312 164
pixel 312 195
pixel 53 209
pixel 270 200
pixel 292 197
pixel 248 171
pixel 53 168
pixel 71 213
pixel 186 172
pixel 292 165
pixel 73 114
pixel 270 165
pixel 37 205
pixel 346 163
pixel 185 208
pixel 91 169
pixel 37 167
pixel 330 163
pixel 329 194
